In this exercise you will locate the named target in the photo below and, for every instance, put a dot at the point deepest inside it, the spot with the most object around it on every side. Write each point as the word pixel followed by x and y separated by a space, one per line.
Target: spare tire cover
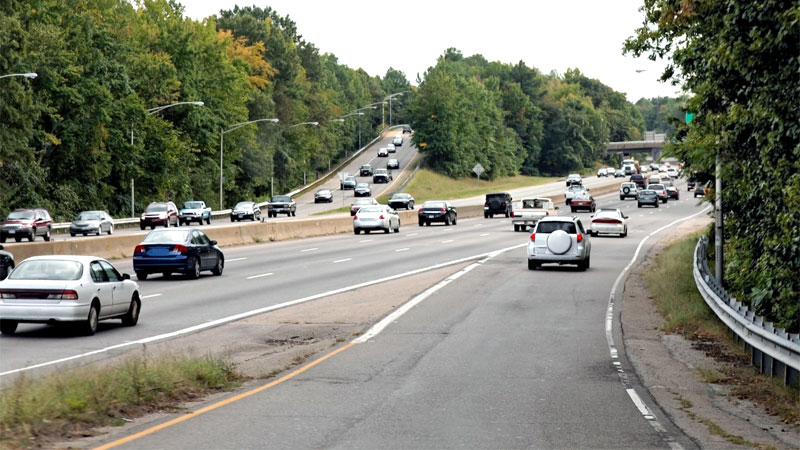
pixel 494 203
pixel 559 242
pixel 626 189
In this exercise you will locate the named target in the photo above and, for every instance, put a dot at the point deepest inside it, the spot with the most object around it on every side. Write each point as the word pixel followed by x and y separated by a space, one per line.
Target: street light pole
pixel 222 132
pixel 390 97
pixel 26 75
pixel 150 111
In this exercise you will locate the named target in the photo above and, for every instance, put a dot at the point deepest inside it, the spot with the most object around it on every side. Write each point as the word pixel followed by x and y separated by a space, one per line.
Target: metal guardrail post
pixel 772 349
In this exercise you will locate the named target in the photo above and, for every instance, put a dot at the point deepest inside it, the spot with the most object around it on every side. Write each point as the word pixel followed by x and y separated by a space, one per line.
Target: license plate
pixel 11 231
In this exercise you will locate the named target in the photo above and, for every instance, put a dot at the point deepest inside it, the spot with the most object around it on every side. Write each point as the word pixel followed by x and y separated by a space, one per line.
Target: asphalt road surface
pixel 501 357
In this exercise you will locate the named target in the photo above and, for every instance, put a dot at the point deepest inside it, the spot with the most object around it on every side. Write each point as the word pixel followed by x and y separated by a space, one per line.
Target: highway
pixel 501 357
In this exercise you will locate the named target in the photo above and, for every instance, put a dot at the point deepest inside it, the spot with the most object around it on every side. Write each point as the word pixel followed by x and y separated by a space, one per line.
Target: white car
pixel 573 191
pixel 391 148
pixel 70 289
pixel 383 151
pixel 611 221
pixel 378 217
pixel 672 172
pixel 610 171
pixel 397 141
pixel 601 172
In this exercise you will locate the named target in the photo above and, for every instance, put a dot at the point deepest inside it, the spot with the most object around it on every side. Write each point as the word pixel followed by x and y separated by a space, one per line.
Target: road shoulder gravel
pixel 667 366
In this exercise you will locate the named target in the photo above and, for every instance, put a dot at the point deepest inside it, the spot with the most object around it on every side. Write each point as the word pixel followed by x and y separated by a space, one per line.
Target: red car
pixel 26 223
pixel 159 213
pixel 583 202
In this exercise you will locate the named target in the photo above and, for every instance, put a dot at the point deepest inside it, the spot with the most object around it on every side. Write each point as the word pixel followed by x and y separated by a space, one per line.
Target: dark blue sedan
pixel 170 250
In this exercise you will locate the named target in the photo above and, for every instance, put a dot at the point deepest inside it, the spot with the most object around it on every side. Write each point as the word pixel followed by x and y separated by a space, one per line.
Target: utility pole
pixel 133 212
pixel 719 259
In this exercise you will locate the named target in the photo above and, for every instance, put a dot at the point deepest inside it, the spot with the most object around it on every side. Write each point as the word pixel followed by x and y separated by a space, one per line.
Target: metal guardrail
pixel 773 350
pixel 63 226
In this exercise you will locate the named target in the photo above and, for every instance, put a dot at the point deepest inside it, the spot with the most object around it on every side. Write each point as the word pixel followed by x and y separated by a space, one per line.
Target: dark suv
pixel 26 223
pixel 281 204
pixel 497 203
pixel 639 179
pixel 365 171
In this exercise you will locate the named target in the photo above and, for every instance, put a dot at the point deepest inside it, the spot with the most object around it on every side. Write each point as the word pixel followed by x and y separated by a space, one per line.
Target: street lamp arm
pixel 302 123
pixel 158 109
pixel 26 75
pixel 239 125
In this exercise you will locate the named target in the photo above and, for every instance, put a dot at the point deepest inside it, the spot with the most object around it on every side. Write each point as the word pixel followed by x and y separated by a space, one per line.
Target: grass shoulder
pixel 35 411
pixel 671 283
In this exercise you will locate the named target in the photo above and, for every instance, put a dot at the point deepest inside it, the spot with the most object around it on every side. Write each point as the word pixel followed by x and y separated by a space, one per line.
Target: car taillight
pixel 355 217
pixel 180 248
pixel 580 237
pixel 139 249
pixel 381 217
pixel 486 204
pixel 63 295
pixel 503 204
pixel 606 221
pixel 533 237
pixel 547 213
pixel 443 210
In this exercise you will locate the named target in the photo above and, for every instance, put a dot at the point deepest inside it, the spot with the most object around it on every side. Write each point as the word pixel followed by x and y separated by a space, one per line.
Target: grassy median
pixel 37 410
pixel 427 185
pixel 671 283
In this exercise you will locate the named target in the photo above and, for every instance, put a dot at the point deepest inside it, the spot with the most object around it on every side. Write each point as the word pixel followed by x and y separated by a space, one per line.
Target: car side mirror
pixel 212 242
pixel 125 276
pixel 624 217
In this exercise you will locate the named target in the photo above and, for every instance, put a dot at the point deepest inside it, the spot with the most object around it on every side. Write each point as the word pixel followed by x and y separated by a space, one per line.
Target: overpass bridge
pixel 653 143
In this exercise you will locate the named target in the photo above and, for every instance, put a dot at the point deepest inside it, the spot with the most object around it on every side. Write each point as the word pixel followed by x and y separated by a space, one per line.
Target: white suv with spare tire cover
pixel 560 240
pixel 627 190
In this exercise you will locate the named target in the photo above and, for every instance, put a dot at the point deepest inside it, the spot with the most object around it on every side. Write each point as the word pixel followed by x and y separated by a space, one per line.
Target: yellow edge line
pixel 219 404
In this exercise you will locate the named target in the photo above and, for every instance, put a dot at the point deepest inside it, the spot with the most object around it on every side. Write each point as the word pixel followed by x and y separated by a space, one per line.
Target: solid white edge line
pixel 402 249
pixel 342 260
pixel 244 315
pixel 260 275
pixel 637 401
pixel 310 249
pixel 150 296
pixel 447 241
pixel 235 259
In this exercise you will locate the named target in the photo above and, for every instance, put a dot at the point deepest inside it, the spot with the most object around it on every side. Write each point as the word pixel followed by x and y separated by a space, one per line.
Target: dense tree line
pixel 662 114
pixel 65 140
pixel 740 62
pixel 512 119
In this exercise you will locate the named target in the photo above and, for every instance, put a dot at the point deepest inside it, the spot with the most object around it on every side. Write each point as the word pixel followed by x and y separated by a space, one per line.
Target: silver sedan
pixel 378 217
pixel 91 222
pixel 69 289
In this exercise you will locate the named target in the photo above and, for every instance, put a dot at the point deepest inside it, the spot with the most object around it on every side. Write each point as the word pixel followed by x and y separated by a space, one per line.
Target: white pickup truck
pixel 527 212
pixel 572 191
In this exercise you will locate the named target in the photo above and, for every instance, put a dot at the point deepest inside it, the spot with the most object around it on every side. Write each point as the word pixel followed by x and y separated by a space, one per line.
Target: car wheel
pixel 516 228
pixel 411 205
pixel 195 273
pixel 656 204
pixel 397 230
pixel 233 220
pixel 131 318
pixel 166 223
pixel 89 326
pixel 621 197
pixel 72 234
pixel 624 232
pixel 485 215
pixel 421 223
pixel 366 231
pixel 218 268
pixel 111 230
pixel 208 220
pixel 357 231
pixel 533 265
pixel 638 205
pixel 17 238
pixel 8 327
pixel 387 230
pixel 594 208
pixel 294 213
pixel 152 227
pixel 572 209
pixel 141 275
pixel 141 227
pixel 447 221
pixel 32 236
pixel 166 274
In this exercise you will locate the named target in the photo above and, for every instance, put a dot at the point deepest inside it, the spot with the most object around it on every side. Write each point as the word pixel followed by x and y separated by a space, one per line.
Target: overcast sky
pixel 409 35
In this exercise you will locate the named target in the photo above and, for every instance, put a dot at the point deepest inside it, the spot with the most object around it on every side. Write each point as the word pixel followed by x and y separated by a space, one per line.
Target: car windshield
pixel 380 171
pixel 549 227
pixel 656 187
pixel 350 179
pixel 370 209
pixel 193 205
pixel 20 215
pixel 244 205
pixel 433 205
pixel 47 269
pixel 607 215
pixel 86 215
pixel 167 236
pixel 399 196
pixel 363 201
pixel 581 197
pixel 323 192
pixel 362 185
pixel 281 198
pixel 156 208
pixel 576 188
pixel 647 192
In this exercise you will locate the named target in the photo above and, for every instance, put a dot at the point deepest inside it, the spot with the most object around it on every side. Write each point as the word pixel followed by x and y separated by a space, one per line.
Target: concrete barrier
pixel 122 246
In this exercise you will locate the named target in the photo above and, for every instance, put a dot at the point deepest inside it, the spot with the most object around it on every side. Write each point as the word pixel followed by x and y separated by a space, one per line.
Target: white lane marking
pixel 342 260
pixel 412 234
pixel 365 240
pixel 402 249
pixel 309 249
pixel 484 234
pixel 612 349
pixel 244 315
pixel 447 241
pixel 260 275
pixel 235 259
pixel 151 296
pixel 478 225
